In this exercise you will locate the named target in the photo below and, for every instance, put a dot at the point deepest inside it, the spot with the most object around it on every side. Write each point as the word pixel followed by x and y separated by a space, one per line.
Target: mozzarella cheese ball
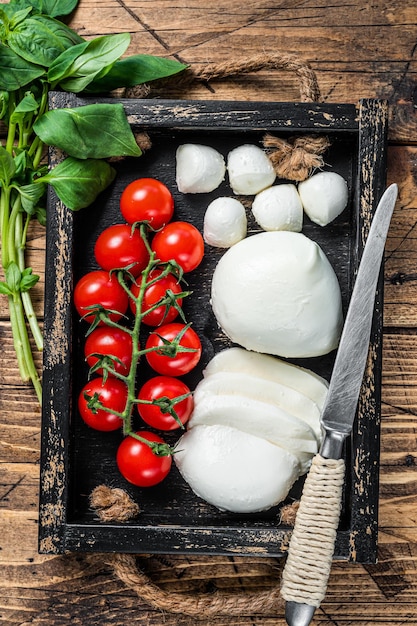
pixel 199 169
pixel 225 222
pixel 250 170
pixel 278 208
pixel 324 196
pixel 277 293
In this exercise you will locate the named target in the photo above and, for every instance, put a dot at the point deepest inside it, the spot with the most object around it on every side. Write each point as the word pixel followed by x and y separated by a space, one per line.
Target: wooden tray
pixel 75 459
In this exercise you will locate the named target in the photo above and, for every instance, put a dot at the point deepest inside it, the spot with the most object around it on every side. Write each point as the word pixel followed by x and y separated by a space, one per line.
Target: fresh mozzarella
pixel 234 470
pixel 278 208
pixel 270 368
pixel 324 196
pixel 277 293
pixel 200 169
pixel 225 222
pixel 249 169
pixel 237 384
pixel 261 419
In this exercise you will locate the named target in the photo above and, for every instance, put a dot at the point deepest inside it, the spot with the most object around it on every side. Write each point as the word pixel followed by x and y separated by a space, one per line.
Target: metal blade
pixel 342 398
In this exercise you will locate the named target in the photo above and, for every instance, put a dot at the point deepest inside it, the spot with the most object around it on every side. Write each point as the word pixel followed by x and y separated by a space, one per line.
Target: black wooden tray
pixel 75 459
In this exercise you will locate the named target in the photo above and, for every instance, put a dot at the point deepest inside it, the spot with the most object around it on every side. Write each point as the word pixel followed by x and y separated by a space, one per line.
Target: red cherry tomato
pixel 100 288
pixel 137 462
pixel 153 294
pixel 147 199
pixel 177 364
pixel 109 342
pixel 118 246
pixel 181 242
pixel 112 394
pixel 165 387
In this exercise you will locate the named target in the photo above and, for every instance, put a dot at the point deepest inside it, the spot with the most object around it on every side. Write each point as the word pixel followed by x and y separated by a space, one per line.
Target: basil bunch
pixel 40 53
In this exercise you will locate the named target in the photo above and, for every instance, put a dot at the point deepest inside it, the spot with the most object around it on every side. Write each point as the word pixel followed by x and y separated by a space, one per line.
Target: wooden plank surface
pixel 356 51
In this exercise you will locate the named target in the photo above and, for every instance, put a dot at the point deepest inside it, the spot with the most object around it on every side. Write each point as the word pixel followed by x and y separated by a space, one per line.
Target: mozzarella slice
pixel 278 208
pixel 225 222
pixel 324 196
pixel 238 384
pixel 200 169
pixel 233 470
pixel 249 169
pixel 270 368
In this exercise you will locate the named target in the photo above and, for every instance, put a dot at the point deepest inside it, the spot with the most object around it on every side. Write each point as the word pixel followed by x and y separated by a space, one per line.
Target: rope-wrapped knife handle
pixel 310 553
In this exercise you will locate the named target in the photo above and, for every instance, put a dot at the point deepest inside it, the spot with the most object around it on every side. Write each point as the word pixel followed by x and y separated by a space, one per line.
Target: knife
pixel 310 552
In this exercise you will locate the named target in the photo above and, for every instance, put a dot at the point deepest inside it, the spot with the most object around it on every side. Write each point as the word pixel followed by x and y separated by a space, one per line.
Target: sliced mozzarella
pixel 249 169
pixel 225 222
pixel 324 196
pixel 232 383
pixel 277 293
pixel 200 169
pixel 278 208
pixel 233 470
pixel 271 368
pixel 260 419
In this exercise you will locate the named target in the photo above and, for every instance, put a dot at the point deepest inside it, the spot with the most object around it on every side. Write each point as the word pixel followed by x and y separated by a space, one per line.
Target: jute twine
pixel 293 160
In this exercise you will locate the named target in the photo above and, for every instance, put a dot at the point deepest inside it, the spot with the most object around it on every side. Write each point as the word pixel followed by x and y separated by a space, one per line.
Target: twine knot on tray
pixel 293 159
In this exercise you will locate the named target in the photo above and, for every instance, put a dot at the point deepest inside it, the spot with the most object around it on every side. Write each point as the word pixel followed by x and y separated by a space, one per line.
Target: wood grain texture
pixel 357 51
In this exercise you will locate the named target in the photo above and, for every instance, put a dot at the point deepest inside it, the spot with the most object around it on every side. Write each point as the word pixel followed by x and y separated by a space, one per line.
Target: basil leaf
pixel 15 72
pixel 31 195
pixel 77 183
pixel 91 131
pixel 28 280
pixel 13 277
pixel 7 166
pixel 75 68
pixel 28 105
pixel 54 8
pixel 136 70
pixel 4 104
pixel 41 39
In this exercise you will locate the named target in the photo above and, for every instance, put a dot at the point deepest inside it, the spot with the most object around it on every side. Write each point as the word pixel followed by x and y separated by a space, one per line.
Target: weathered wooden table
pixel 357 51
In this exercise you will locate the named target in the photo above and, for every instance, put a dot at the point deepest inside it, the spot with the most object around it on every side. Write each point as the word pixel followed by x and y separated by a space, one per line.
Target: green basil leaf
pixel 7 166
pixel 13 277
pixel 15 72
pixel 41 39
pixel 4 104
pixel 27 106
pixel 5 289
pixel 28 280
pixel 91 131
pixel 135 70
pixel 75 68
pixel 31 195
pixel 77 183
pixel 54 8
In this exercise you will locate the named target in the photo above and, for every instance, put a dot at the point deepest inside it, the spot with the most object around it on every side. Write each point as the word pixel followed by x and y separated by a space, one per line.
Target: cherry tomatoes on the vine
pixel 139 464
pixel 100 288
pixel 153 294
pixel 168 357
pixel 147 199
pixel 181 242
pixel 111 394
pixel 109 342
pixel 165 389
pixel 118 247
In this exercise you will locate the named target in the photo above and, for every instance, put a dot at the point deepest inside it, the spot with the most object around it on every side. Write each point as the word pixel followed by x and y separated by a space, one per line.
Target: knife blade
pixel 310 552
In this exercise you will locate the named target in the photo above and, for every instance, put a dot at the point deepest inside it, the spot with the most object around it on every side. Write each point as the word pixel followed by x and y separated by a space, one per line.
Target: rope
pixel 310 555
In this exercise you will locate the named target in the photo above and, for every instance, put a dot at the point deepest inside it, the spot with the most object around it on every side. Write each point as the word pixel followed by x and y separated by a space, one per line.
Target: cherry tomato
pixel 165 387
pixel 112 394
pixel 100 288
pixel 147 199
pixel 110 342
pixel 118 246
pixel 181 242
pixel 153 294
pixel 180 363
pixel 138 464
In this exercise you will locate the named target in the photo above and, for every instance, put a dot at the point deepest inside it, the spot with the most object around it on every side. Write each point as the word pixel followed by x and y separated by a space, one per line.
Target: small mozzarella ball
pixel 279 208
pixel 200 169
pixel 277 293
pixel 250 170
pixel 225 222
pixel 233 470
pixel 324 196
